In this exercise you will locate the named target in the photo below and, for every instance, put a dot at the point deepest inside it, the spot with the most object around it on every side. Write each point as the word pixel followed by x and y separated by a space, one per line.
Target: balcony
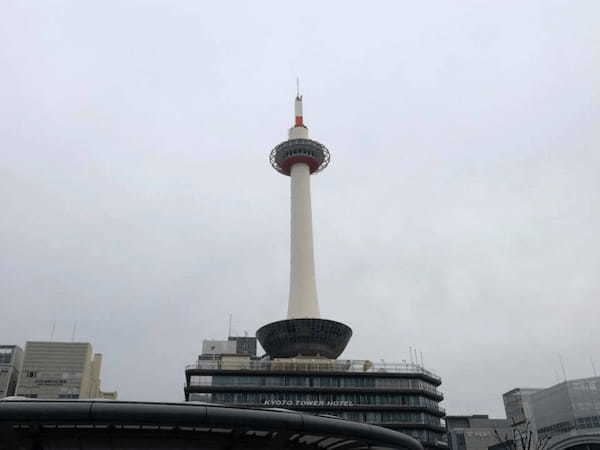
pixel 312 365
pixel 267 384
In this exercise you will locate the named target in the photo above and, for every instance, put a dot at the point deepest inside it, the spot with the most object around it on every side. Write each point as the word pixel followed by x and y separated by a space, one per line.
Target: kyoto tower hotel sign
pixel 304 333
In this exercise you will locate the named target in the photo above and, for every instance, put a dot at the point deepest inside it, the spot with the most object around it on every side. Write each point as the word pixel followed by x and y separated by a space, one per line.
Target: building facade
pixel 569 406
pixel 567 410
pixel 11 362
pixel 517 405
pixel 476 432
pixel 402 397
pixel 61 370
pixel 245 345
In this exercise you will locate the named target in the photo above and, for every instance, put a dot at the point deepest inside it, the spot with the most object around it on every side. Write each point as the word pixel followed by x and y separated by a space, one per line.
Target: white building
pixel 61 370
pixel 11 360
pixel 475 432
pixel 570 409
pixel 218 347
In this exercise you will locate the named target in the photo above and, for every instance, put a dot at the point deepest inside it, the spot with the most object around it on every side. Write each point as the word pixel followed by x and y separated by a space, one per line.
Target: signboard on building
pixel 307 403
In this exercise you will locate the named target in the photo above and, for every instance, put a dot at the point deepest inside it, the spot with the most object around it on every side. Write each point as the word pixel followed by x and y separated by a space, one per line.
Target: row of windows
pixel 425 435
pixel 561 427
pixel 321 399
pixel 59 395
pixel 588 422
pixel 386 417
pixel 300 152
pixel 586 386
pixel 314 381
pixel 376 417
pixel 52 374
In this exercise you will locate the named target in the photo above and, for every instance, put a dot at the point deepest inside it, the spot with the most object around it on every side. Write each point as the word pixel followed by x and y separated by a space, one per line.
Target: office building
pixel 517 405
pixel 519 411
pixel 61 370
pixel 570 405
pixel 403 397
pixel 563 415
pixel 11 361
pixel 476 432
pixel 301 369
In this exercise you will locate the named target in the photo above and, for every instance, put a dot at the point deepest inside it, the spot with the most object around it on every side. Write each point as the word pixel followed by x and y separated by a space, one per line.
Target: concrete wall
pixel 517 405
pixel 54 370
pixel 216 347
pixel 96 365
pixel 552 406
pixel 567 408
pixel 585 397
pixel 476 432
pixel 11 361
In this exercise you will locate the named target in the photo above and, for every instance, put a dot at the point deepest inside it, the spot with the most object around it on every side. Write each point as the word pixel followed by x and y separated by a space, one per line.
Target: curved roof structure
pixel 304 337
pixel 87 424
pixel 577 441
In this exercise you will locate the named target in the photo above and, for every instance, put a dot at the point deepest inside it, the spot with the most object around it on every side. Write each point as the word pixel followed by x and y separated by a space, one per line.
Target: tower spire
pixel 298 111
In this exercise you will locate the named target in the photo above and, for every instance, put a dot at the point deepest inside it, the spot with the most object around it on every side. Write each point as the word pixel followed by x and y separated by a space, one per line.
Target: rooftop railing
pixel 311 365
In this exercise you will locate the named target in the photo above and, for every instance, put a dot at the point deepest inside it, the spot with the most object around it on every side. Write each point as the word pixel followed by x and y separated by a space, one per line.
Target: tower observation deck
pixel 304 333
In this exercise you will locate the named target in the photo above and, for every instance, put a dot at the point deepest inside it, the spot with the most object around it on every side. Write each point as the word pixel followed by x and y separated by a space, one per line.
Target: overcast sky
pixel 459 213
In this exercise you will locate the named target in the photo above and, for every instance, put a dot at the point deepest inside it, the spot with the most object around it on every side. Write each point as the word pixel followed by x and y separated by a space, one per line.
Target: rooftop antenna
pixel 562 365
pixel 297 87
pixel 422 365
pixel 73 334
pixel 410 353
pixel 229 329
pixel 593 367
pixel 52 331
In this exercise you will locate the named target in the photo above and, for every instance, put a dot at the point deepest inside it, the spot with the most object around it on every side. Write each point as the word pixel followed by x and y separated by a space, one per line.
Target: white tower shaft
pixel 303 301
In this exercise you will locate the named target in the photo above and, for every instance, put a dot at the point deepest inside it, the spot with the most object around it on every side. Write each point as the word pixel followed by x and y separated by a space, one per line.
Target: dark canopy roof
pixel 86 424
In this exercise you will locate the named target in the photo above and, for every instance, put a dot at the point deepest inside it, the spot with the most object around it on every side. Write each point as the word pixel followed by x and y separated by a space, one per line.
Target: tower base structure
pixel 304 337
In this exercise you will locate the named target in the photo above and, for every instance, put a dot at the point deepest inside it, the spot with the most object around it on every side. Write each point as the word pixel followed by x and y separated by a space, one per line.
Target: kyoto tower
pixel 304 333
